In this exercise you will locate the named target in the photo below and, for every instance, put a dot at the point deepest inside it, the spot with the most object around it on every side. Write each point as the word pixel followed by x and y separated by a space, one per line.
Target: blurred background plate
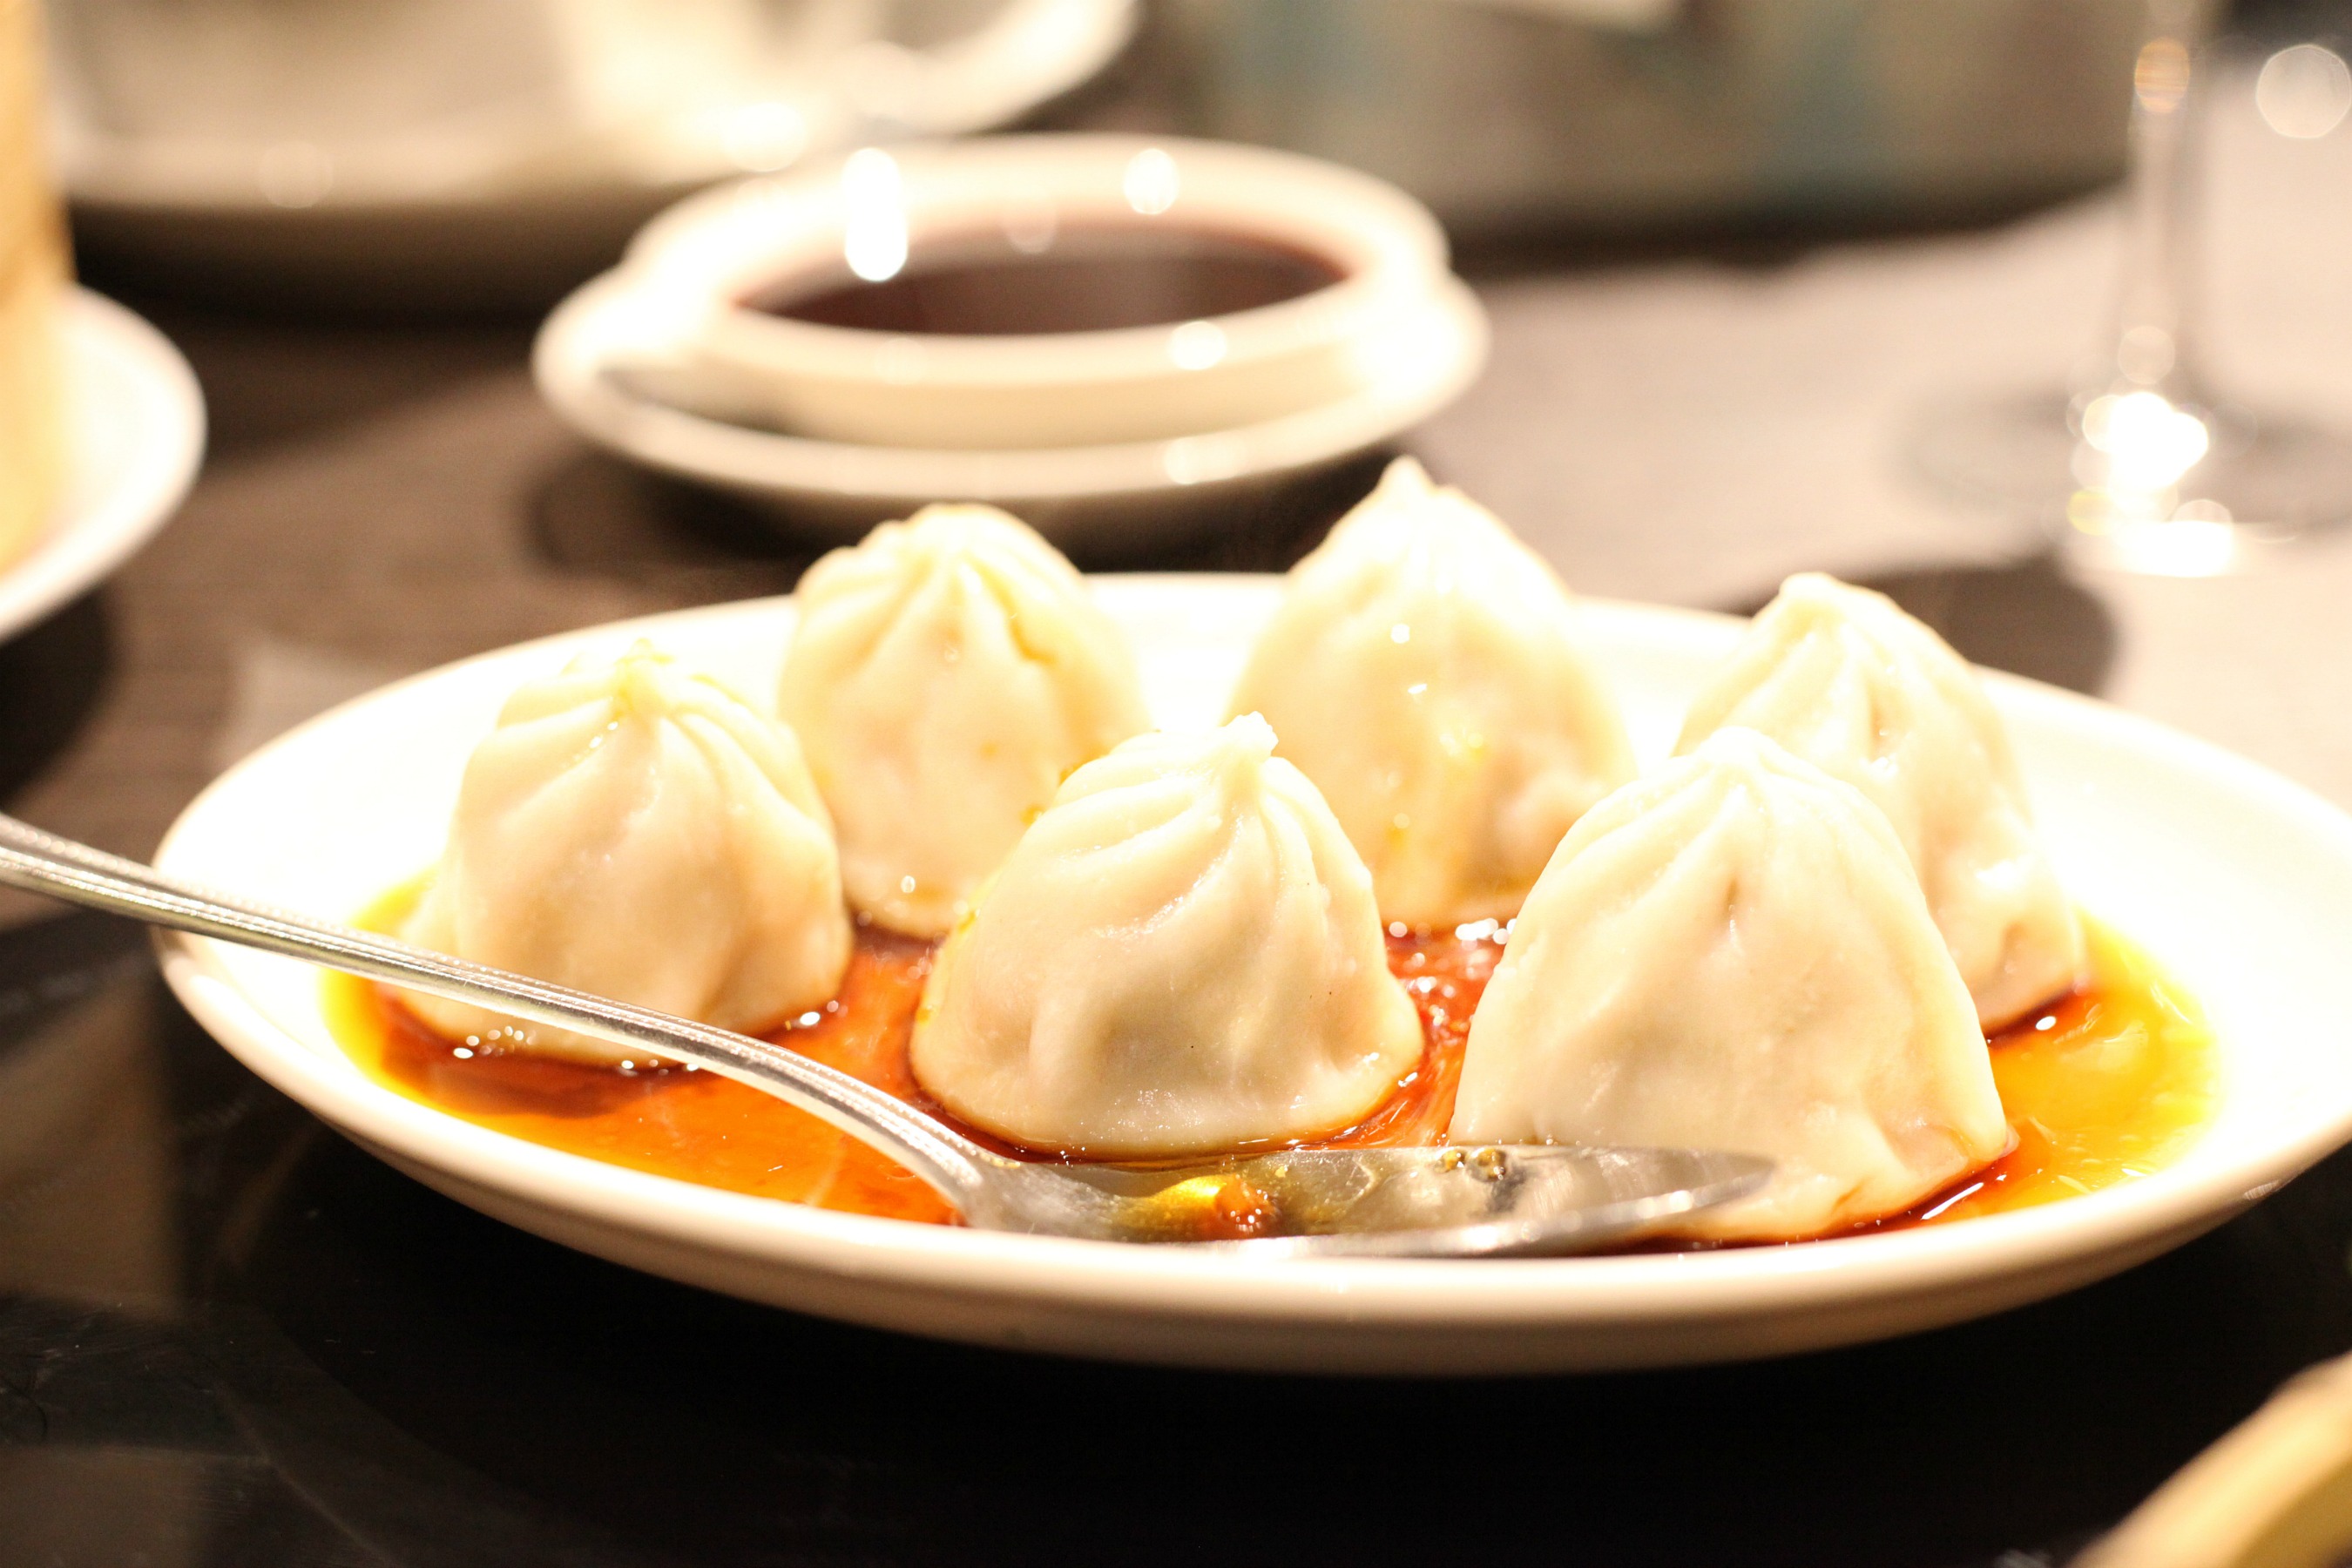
pixel 138 430
pixel 489 152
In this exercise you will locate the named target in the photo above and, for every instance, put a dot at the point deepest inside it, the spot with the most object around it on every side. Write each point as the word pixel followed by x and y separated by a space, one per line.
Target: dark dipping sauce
pixel 1084 279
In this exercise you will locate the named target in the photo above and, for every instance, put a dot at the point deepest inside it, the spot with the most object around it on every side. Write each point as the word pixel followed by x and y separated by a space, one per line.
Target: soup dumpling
pixel 637 831
pixel 946 672
pixel 1732 953
pixel 1424 671
pixel 1844 678
pixel 1181 956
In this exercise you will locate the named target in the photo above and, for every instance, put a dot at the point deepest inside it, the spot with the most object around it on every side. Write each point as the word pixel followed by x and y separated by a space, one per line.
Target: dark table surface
pixel 228 1337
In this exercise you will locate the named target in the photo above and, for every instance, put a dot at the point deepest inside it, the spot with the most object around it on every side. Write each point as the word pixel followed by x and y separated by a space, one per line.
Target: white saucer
pixel 138 433
pixel 2238 881
pixel 1080 497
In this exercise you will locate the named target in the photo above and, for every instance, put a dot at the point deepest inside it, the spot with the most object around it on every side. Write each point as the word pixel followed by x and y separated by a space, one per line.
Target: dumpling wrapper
pixel 1844 678
pixel 1181 956
pixel 1424 671
pixel 1732 953
pixel 947 673
pixel 637 831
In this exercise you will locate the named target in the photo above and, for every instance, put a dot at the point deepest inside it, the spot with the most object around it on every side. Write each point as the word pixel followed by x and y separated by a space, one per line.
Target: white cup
pixel 692 269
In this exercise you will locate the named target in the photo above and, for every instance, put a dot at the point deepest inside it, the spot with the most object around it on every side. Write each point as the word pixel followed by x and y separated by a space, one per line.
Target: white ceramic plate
pixel 1106 497
pixel 138 431
pixel 2240 882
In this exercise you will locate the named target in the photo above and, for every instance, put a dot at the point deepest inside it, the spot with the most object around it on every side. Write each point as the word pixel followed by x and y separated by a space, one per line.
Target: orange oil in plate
pixel 2102 1086
pixel 2109 1083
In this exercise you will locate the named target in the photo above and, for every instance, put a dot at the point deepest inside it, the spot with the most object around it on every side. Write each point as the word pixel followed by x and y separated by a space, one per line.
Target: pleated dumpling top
pixel 1424 671
pixel 1732 953
pixel 946 672
pixel 1844 678
pixel 1181 956
pixel 638 831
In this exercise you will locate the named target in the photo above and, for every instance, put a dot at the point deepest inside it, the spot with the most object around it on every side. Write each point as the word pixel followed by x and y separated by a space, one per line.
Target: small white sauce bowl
pixel 689 271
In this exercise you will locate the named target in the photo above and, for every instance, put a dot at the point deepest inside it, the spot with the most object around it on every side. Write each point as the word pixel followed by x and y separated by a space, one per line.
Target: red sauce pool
pixel 2102 1086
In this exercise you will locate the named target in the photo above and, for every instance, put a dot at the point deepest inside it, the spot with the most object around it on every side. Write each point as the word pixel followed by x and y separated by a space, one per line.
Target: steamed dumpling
pixel 947 673
pixel 1181 956
pixel 1732 953
pixel 637 831
pixel 1845 679
pixel 1423 670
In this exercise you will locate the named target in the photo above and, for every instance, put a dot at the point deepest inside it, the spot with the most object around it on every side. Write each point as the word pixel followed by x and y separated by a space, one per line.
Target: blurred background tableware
pixel 492 151
pixel 1037 292
pixel 2274 1492
pixel 1109 334
pixel 133 436
pixel 1513 118
pixel 33 269
pixel 2145 465
pixel 100 421
pixel 484 151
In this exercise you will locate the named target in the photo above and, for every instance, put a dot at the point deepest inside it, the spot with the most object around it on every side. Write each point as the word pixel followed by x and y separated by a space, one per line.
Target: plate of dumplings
pixel 1410 846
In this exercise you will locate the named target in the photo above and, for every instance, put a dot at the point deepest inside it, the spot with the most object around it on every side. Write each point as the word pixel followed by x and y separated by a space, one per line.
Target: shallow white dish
pixel 1119 495
pixel 885 212
pixel 2238 881
pixel 137 425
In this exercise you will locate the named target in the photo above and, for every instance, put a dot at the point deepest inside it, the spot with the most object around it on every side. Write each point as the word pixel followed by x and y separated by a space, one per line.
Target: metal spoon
pixel 1417 1203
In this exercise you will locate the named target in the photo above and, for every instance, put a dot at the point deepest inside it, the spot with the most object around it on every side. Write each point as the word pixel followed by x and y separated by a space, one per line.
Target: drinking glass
pixel 2143 465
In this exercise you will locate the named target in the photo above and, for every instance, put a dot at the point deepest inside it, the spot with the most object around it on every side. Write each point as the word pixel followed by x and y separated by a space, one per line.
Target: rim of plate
pixel 1338 1294
pixel 137 432
pixel 572 355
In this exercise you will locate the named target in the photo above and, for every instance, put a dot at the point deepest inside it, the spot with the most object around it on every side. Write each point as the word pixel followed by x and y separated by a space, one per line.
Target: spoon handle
pixel 42 862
